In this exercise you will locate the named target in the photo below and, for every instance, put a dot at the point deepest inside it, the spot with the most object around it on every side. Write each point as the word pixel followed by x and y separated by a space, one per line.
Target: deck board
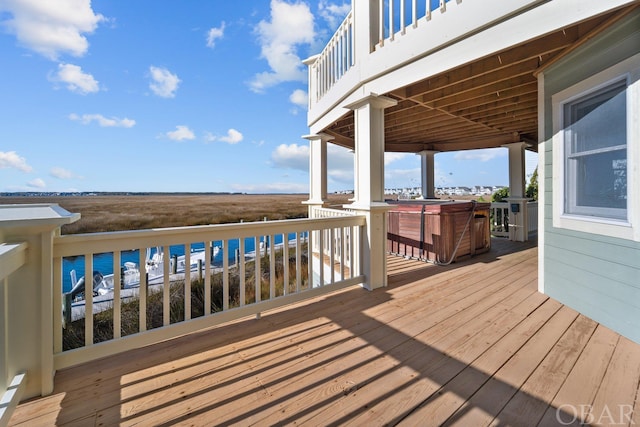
pixel 472 343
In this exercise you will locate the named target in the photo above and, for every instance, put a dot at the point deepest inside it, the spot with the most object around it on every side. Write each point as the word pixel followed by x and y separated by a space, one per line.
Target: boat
pixel 103 284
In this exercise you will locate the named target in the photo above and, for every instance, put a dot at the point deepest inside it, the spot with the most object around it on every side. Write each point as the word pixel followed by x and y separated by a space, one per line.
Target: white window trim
pixel 630 229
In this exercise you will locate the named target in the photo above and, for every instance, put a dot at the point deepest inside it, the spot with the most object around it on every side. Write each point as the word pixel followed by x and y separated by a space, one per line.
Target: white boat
pixel 130 273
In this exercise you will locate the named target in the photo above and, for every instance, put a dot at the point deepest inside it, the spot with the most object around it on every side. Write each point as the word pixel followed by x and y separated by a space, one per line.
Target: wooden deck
pixel 469 344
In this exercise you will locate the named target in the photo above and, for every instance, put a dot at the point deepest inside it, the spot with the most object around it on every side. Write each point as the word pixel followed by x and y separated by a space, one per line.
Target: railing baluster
pixel 332 243
pixel 225 275
pixel 298 262
pixel 272 268
pixel 117 284
pixel 207 276
pixel 88 299
pixel 142 291
pixel 187 281
pixel 258 271
pixel 402 17
pixel 414 13
pixel 285 262
pixel 321 256
pixel 391 19
pixel 242 273
pixel 166 287
pixel 310 249
pixel 381 23
pixel 342 254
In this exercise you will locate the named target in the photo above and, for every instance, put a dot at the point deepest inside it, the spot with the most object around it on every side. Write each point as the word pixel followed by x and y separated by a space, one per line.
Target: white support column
pixel 369 185
pixel 518 225
pixel 427 173
pixel 317 170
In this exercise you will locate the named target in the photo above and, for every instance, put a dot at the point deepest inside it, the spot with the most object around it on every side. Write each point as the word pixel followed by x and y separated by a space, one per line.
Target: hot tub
pixel 439 231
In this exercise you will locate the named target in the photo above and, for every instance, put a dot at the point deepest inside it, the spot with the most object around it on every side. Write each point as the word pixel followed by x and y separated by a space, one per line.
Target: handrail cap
pixel 16 215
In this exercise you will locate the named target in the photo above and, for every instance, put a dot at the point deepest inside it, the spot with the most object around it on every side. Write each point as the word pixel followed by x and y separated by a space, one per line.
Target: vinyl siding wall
pixel 595 274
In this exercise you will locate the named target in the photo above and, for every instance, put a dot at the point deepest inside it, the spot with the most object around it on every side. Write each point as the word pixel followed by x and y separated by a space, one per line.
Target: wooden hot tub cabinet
pixel 430 229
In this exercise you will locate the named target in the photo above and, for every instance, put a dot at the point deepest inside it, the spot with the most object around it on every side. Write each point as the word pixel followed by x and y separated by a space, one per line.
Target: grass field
pixel 135 212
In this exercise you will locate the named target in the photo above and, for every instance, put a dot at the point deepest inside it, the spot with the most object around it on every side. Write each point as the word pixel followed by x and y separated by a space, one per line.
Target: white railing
pixel 339 55
pixel 398 15
pixel 532 216
pixel 341 251
pixel 384 36
pixel 12 257
pixel 333 62
pixel 499 217
pixel 286 272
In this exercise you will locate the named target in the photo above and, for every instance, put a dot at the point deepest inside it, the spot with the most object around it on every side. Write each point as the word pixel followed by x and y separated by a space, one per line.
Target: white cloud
pixel 299 98
pixel 483 155
pixel 333 13
pixel 163 82
pixel 393 157
pixel 291 156
pixel 11 160
pixel 182 133
pixel 75 79
pixel 36 183
pixel 62 173
pixel 103 121
pixel 411 177
pixel 291 25
pixel 232 137
pixel 213 34
pixel 340 165
pixel 52 28
pixel 294 156
pixel 274 187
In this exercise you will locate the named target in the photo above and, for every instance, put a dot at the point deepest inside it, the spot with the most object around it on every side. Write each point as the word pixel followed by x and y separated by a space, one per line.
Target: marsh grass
pixel 73 334
pixel 134 212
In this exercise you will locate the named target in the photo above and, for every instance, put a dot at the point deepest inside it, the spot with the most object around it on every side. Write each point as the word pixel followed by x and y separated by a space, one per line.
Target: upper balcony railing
pixel 394 18
pixel 380 37
pixel 334 61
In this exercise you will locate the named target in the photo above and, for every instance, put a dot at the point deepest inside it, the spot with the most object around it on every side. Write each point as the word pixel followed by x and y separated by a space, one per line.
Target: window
pixel 596 153
pixel 595 139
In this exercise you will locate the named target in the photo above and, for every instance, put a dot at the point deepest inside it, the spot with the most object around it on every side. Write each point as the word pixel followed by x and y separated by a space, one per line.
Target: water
pixel 104 262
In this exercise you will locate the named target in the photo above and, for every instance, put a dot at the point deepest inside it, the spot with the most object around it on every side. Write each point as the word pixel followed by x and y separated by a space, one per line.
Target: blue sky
pixel 191 95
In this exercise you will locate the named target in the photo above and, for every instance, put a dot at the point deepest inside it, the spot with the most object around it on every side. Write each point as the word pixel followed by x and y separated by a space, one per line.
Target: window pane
pixel 598 121
pixel 596 155
pixel 602 180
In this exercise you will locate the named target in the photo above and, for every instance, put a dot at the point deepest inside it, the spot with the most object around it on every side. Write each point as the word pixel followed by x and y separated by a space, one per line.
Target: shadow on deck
pixel 472 343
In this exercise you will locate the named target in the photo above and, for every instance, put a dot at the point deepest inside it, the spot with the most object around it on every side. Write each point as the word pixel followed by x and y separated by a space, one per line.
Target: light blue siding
pixel 597 275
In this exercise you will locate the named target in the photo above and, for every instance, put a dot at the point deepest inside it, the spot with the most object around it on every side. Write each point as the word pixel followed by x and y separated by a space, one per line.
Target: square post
pixel 518 219
pixel 369 185
pixel 30 305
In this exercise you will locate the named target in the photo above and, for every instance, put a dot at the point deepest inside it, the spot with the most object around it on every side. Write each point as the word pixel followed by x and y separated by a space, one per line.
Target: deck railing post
pixel 366 26
pixel 30 314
